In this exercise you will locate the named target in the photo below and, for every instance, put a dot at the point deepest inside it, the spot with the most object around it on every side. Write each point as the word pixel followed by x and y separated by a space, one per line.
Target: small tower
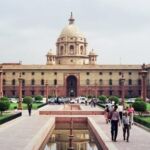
pixel 51 58
pixel 92 57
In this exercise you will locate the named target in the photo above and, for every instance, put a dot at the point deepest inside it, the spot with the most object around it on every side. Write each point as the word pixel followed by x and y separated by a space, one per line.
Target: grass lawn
pixel 5 115
pixel 34 105
pixel 148 106
pixel 147 119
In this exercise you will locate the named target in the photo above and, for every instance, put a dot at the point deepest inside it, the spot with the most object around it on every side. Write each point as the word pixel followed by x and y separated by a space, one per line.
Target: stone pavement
pixel 16 134
pixel 139 138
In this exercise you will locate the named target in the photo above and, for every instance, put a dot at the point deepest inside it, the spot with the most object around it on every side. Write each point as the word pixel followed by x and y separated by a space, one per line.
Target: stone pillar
pixel 46 91
pixel 122 91
pixel 20 93
pixel 1 82
pixel 95 88
pixel 143 73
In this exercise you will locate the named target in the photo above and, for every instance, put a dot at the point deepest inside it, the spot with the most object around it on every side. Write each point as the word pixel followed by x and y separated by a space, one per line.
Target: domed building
pixel 73 71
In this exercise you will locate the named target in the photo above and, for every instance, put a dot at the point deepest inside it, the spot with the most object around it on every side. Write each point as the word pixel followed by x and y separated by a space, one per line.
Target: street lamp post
pixel 143 73
pixel 46 85
pixel 122 90
pixel 1 82
pixel 20 92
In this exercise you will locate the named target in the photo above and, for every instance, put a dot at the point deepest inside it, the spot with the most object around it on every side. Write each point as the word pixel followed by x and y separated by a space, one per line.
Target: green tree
pixel 27 99
pixel 102 98
pixel 114 98
pixel 4 104
pixel 38 98
pixel 139 106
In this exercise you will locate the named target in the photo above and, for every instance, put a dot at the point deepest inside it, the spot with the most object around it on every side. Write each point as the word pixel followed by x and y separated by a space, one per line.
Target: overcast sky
pixel 118 30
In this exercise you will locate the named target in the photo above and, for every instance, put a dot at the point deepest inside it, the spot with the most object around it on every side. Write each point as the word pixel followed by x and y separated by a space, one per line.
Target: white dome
pixel 71 30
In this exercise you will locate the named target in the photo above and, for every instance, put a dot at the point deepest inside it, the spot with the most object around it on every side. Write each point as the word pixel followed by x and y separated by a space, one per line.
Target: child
pixel 126 122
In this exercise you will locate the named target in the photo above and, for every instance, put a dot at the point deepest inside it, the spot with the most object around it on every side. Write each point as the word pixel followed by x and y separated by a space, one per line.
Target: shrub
pixel 4 104
pixel 139 106
pixel 90 96
pixel 38 98
pixel 4 98
pixel 139 99
pixel 114 98
pixel 27 99
pixel 102 98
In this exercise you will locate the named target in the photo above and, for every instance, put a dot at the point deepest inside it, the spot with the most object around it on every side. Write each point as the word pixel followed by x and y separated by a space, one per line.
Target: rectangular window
pixel 4 73
pixel 130 73
pixel 33 73
pixel 87 73
pixel 55 73
pixel 42 73
pixel 110 73
pixel 100 73
pixel 23 73
pixel 13 73
pixel 120 73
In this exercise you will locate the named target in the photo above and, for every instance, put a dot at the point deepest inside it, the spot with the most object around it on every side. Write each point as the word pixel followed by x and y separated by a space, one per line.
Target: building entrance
pixel 71 86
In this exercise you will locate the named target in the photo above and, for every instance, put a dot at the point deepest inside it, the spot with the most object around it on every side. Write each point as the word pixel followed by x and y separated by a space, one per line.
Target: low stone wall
pixel 103 140
pixel 72 112
pixel 39 139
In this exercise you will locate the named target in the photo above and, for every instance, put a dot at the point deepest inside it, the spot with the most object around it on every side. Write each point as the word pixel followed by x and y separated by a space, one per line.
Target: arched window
pixel 61 50
pixel 81 50
pixel 87 82
pixel 55 82
pixel 139 82
pixel 4 82
pixel 100 82
pixel 119 82
pixel 32 82
pixel 110 81
pixel 23 82
pixel 130 82
pixel 13 82
pixel 71 49
pixel 42 81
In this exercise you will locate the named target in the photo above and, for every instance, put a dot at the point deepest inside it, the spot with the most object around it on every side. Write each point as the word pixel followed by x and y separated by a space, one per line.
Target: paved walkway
pixel 16 134
pixel 139 138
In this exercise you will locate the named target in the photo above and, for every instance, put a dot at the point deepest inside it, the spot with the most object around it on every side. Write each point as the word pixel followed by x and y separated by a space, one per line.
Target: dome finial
pixel 71 19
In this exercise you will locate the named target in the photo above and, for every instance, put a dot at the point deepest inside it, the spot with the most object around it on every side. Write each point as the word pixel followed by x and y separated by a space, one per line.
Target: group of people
pixel 116 115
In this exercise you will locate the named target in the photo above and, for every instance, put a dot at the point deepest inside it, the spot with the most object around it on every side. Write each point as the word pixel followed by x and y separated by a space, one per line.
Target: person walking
pixel 120 110
pixel 131 113
pixel 107 114
pixel 115 121
pixel 29 108
pixel 126 122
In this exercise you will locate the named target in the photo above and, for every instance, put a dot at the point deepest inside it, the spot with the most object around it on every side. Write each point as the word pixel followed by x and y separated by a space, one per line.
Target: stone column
pixel 20 93
pixel 46 86
pixel 1 82
pixel 143 73
pixel 95 88
pixel 122 91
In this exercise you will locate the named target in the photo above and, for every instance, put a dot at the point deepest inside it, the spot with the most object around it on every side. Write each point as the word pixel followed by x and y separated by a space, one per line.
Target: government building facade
pixel 73 71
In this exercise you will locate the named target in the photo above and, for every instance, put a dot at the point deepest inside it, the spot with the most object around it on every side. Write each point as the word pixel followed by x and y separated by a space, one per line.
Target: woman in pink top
pixel 131 113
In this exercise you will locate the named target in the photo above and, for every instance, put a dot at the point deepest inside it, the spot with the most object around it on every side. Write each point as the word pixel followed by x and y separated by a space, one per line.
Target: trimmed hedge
pixel 42 105
pixel 141 121
pixel 101 105
pixel 11 117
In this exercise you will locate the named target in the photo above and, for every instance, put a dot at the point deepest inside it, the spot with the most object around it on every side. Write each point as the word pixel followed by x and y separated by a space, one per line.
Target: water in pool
pixel 82 138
